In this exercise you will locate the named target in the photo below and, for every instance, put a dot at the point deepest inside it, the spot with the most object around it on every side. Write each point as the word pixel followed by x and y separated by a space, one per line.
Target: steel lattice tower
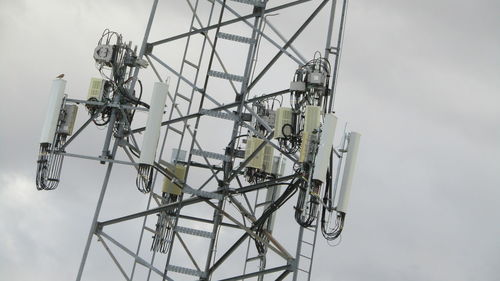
pixel 210 222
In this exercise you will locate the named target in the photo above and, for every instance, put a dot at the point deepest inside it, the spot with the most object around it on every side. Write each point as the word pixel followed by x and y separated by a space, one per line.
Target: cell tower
pixel 213 214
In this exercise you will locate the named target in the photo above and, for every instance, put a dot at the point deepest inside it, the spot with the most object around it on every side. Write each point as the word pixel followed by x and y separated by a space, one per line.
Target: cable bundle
pixel 144 178
pixel 162 239
pixel 258 225
pixel 48 169
pixel 330 233
pixel 308 219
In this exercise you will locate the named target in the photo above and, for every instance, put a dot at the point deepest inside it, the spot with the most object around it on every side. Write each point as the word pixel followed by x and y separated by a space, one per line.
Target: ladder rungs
pixel 309 258
pixel 258 3
pixel 303 270
pixel 307 243
pixel 254 258
pixel 226 76
pixel 191 64
pixel 150 230
pixel 184 270
pixel 183 97
pixel 192 231
pixel 313 228
pixel 236 38
pixel 175 130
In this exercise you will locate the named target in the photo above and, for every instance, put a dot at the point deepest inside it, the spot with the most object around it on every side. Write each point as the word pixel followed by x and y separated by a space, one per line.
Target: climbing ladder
pixel 181 106
pixel 305 252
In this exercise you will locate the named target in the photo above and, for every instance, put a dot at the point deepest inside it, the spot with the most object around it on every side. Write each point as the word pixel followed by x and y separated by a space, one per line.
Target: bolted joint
pixel 221 183
pixel 149 49
pixel 98 228
pixel 292 264
pixel 258 11
pixel 247 117
pixel 332 50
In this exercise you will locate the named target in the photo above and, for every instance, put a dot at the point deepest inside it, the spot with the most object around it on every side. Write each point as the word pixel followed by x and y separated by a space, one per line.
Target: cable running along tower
pixel 240 176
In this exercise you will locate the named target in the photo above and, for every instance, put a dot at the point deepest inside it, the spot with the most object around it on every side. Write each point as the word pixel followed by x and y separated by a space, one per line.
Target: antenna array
pixel 210 203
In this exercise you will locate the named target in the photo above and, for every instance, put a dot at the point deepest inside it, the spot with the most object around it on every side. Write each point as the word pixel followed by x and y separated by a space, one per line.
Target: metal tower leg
pixel 136 73
pixel 93 226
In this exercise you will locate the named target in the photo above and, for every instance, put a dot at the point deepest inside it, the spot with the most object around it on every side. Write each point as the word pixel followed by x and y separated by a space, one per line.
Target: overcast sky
pixel 418 79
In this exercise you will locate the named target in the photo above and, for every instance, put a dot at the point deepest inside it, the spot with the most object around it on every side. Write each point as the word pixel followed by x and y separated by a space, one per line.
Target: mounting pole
pixel 93 227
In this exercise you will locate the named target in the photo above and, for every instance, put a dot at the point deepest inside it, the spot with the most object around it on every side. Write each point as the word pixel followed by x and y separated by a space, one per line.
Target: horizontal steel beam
pixel 207 221
pixel 100 103
pixel 266 184
pixel 100 159
pixel 167 207
pixel 214 26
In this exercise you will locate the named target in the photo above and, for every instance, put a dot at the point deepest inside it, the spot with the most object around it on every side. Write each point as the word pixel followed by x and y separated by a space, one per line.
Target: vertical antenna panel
pixel 53 110
pixel 152 132
pixel 350 163
pixel 325 147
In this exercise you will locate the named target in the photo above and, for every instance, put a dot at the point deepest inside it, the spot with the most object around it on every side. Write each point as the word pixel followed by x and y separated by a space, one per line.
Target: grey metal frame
pixel 224 189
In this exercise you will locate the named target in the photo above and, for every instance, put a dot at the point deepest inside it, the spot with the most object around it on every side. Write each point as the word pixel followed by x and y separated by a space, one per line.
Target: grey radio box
pixel 297 86
pixel 316 78
pixel 68 117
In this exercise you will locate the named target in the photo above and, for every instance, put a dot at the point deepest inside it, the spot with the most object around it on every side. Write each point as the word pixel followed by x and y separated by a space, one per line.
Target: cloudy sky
pixel 419 80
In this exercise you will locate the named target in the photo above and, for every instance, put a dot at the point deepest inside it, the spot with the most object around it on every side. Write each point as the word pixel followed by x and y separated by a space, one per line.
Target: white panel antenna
pixel 53 111
pixel 347 177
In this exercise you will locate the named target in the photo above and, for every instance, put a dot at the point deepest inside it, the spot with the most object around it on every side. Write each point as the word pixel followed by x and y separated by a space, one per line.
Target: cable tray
pixel 192 231
pixel 208 154
pixel 218 114
pixel 184 270
pixel 227 76
pixel 236 38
